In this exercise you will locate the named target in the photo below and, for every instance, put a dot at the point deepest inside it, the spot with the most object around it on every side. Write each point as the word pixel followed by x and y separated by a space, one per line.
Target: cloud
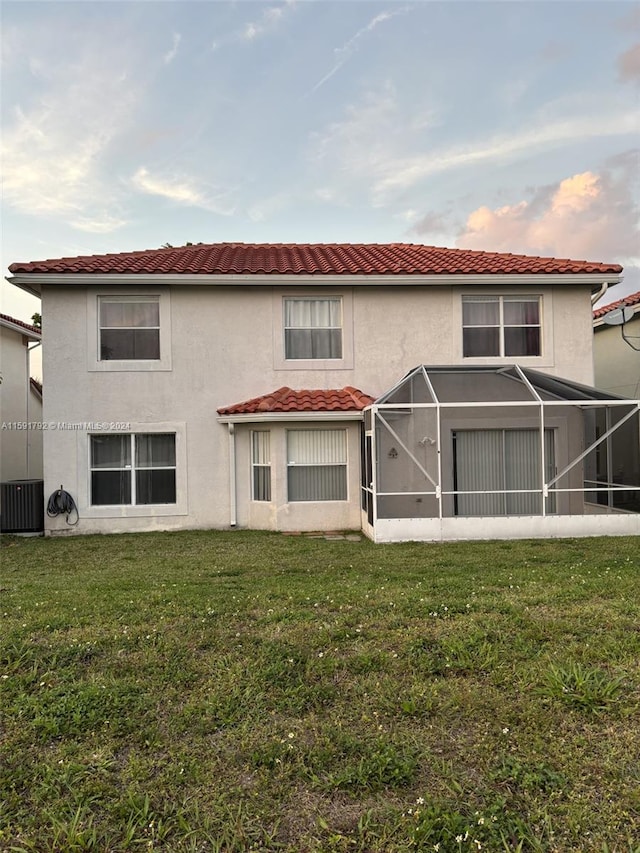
pixel 431 223
pixel 180 190
pixel 266 23
pixel 555 50
pixel 347 50
pixel 171 54
pixel 363 147
pixel 382 146
pixel 630 21
pixel 403 172
pixel 629 64
pixel 55 147
pixel 587 215
pixel 102 225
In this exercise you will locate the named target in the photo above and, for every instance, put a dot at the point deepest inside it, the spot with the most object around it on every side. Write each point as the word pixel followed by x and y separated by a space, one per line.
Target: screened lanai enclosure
pixel 498 452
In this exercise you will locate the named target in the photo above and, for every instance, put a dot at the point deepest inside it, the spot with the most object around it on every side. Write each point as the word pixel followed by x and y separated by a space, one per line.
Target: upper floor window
pixel 501 326
pixel 133 469
pixel 313 328
pixel 129 328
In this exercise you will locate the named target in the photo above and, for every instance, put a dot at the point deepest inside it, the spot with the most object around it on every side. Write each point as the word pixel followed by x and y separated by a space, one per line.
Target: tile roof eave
pixel 274 417
pixel 632 300
pixel 21 327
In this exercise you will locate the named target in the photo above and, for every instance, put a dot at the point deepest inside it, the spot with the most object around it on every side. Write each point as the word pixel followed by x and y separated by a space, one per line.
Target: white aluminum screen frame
pixel 549 489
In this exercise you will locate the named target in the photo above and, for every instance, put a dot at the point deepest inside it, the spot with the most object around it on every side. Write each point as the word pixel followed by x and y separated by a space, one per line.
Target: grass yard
pixel 246 691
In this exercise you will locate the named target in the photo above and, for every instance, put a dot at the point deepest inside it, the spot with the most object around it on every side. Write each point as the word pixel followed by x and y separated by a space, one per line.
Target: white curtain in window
pixel 521 312
pixel 316 447
pixel 481 311
pixel 316 465
pixel 261 458
pixel 479 468
pixel 110 469
pixel 522 470
pixel 110 451
pixel 156 450
pixel 312 313
pixel 129 314
pixel 261 448
pixel 491 460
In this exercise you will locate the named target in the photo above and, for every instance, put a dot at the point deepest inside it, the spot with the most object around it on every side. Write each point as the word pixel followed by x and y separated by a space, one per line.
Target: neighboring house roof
pixel 312 259
pixel 631 301
pixel 285 399
pixel 19 326
pixel 36 387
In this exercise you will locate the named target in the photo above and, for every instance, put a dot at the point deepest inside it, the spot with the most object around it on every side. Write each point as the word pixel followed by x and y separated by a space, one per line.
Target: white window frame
pixel 280 362
pixel 83 462
pixel 501 326
pixel 328 299
pixel 122 300
pixel 319 465
pixel 132 469
pixel 126 294
pixel 261 465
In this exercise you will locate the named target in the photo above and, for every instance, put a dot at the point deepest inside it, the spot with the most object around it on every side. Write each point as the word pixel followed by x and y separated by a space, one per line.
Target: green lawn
pixel 245 691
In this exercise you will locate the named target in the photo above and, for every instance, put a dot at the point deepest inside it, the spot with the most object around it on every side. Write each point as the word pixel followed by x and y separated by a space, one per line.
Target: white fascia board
pixel 282 417
pixel 33 281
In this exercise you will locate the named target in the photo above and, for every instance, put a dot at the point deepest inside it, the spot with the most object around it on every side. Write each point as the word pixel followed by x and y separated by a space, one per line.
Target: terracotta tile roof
pixel 311 259
pixel 285 399
pixel 632 299
pixel 26 326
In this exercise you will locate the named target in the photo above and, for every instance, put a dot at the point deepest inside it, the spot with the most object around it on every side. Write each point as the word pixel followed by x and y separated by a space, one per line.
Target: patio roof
pixel 464 385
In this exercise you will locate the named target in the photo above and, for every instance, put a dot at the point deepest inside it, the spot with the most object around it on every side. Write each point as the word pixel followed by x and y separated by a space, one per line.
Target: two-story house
pixel 410 391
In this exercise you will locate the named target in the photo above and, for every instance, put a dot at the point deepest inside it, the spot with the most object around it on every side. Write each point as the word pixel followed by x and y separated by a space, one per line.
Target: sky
pixel 502 126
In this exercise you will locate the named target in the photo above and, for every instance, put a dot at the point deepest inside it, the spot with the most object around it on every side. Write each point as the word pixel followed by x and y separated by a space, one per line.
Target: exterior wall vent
pixel 22 506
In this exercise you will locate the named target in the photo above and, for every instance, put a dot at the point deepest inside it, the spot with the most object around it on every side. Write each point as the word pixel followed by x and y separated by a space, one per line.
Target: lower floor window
pixel 133 469
pixel 317 465
pixel 261 465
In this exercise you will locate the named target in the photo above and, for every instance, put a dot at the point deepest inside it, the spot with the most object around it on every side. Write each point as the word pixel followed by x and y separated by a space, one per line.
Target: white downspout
pixel 232 476
pixel 28 441
pixel 596 296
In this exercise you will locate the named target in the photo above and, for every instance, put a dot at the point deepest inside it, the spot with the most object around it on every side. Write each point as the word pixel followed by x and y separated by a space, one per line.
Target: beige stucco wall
pixel 617 365
pixel 20 448
pixel 225 347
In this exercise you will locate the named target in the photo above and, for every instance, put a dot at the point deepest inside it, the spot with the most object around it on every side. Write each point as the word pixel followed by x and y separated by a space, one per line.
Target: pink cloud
pixel 629 64
pixel 588 215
